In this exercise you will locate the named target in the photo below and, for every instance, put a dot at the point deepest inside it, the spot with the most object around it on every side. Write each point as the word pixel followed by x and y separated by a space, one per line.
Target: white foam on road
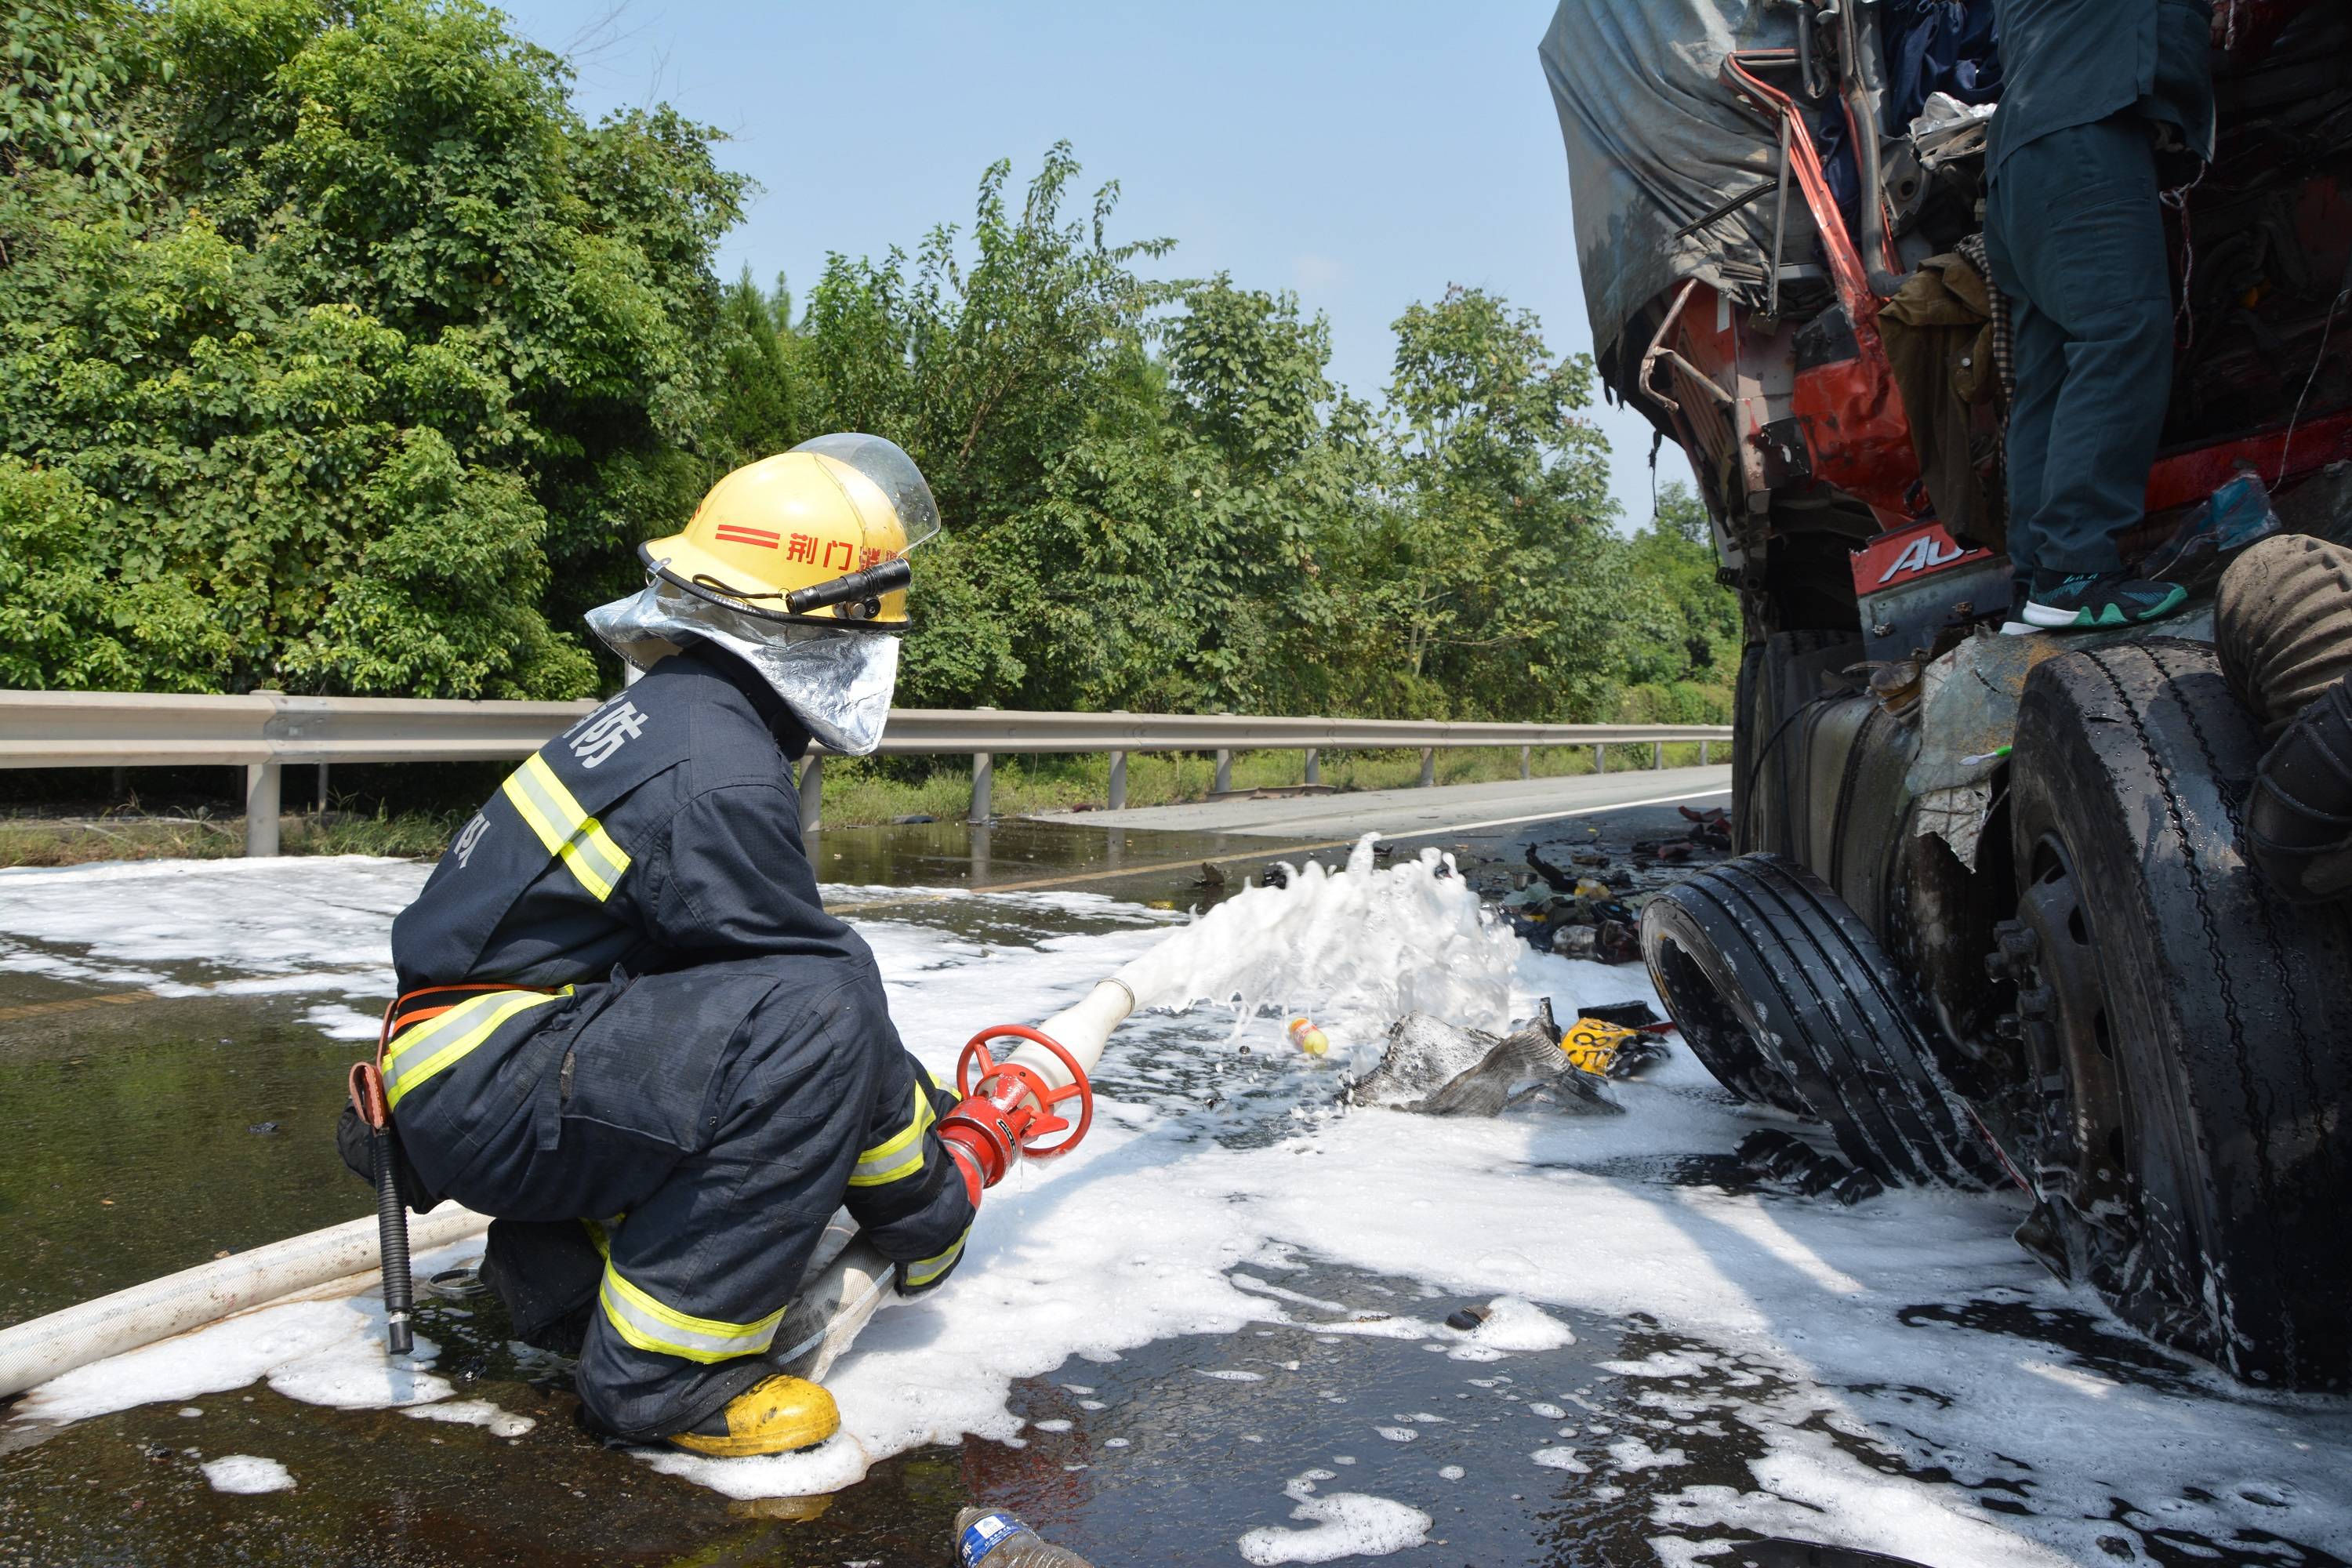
pixel 1803 1483
pixel 308 923
pixel 247 1473
pixel 1344 1524
pixel 322 1353
pixel 1513 1324
pixel 299 1341
pixel 495 1419
pixel 1794 1319
pixel 1364 945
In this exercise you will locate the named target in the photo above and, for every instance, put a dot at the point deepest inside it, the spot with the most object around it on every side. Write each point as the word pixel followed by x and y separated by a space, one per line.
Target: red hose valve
pixel 1007 1109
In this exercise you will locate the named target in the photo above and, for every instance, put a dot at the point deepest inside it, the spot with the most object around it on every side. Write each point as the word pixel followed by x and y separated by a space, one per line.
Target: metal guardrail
pixel 265 732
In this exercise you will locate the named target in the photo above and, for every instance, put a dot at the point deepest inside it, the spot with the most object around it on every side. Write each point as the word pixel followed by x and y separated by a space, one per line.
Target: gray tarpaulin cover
pixel 1654 140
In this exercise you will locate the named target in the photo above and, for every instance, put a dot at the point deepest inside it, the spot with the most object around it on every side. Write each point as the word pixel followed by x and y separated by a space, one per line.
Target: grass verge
pixel 75 841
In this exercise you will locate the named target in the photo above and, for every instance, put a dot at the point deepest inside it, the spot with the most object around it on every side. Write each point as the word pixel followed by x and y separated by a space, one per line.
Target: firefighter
pixel 628 1029
pixel 2103 104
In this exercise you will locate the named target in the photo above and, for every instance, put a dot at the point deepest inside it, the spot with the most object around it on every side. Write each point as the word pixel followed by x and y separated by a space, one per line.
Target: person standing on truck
pixel 2104 104
pixel 628 1029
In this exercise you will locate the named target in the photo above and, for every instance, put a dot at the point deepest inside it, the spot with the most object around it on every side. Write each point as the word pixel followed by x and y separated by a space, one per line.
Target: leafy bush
pixel 360 358
pixel 338 353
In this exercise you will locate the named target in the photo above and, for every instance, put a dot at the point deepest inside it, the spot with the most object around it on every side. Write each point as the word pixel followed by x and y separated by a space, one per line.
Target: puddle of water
pixel 130 1153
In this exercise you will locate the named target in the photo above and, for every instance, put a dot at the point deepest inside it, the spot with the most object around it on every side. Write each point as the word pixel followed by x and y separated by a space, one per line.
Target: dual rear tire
pixel 2180 1093
pixel 2192 1139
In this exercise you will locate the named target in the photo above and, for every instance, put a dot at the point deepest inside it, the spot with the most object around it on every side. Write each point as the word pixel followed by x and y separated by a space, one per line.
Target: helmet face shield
pixel 893 472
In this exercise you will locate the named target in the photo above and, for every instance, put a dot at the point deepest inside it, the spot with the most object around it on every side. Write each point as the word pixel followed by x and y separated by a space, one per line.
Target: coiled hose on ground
pixel 2283 627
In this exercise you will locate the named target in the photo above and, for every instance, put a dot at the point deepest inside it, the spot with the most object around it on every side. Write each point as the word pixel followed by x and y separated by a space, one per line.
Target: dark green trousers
pixel 2077 240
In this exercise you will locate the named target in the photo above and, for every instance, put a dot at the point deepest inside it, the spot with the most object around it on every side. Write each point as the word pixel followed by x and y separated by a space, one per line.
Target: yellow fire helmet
pixel 817 535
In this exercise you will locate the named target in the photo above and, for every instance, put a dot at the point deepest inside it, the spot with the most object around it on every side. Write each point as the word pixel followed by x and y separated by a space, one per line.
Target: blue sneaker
pixel 2093 601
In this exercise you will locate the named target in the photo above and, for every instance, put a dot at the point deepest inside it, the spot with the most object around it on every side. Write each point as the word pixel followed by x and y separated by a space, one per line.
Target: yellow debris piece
pixel 1592 1045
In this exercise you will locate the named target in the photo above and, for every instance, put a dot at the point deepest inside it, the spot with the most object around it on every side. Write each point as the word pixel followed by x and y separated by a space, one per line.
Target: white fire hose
pixel 825 1314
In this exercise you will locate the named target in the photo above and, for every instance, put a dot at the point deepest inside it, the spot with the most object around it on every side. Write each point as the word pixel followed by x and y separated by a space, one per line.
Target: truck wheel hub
pixel 2068 1033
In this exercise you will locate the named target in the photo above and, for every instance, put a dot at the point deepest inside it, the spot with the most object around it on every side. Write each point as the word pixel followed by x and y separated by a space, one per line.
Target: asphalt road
pixel 146 1134
pixel 1449 809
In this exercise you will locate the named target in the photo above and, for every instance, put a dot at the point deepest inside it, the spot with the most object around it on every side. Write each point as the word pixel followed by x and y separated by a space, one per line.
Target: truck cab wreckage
pixel 2003 912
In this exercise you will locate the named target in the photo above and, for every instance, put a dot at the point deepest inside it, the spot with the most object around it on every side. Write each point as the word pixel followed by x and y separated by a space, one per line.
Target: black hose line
pixel 1747 784
pixel 391 1238
pixel 2299 822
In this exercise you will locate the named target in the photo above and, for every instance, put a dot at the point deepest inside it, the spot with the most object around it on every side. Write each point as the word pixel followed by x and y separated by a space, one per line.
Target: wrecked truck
pixel 1998 917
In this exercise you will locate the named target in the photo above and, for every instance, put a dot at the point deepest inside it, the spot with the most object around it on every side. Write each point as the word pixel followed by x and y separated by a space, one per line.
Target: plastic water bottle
pixel 2235 516
pixel 991 1538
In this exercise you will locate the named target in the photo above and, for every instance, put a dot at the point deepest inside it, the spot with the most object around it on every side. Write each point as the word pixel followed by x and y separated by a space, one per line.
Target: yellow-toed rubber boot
pixel 773 1416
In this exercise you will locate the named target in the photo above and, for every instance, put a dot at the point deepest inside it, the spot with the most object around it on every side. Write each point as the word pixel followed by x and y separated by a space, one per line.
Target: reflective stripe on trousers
pixel 650 1324
pixel 567 829
pixel 901 1155
pixel 441 1042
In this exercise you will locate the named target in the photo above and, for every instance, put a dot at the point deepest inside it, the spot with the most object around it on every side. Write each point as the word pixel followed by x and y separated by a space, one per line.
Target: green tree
pixel 1475 587
pixel 366 358
pixel 1116 520
pixel 338 351
pixel 1681 627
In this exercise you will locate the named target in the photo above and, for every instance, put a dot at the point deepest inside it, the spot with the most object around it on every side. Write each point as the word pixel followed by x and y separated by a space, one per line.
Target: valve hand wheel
pixel 978 1067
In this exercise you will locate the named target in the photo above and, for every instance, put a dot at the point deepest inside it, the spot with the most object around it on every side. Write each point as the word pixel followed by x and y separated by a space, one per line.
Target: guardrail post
pixel 118 783
pixel 812 793
pixel 261 808
pixel 984 785
pixel 1703 746
pixel 1527 761
pixel 1313 765
pixel 322 787
pixel 1657 753
pixel 1428 767
pixel 1225 771
pixel 1600 756
pixel 1118 776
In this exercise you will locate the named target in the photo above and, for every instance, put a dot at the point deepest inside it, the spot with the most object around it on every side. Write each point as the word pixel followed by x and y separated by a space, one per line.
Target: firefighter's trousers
pixel 661 1156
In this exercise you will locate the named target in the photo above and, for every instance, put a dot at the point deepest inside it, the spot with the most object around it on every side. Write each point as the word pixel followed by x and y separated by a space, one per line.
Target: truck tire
pixel 2192 1143
pixel 1698 988
pixel 1786 998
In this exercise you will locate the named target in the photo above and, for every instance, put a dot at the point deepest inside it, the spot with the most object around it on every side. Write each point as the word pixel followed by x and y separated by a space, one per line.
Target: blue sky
pixel 1365 155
